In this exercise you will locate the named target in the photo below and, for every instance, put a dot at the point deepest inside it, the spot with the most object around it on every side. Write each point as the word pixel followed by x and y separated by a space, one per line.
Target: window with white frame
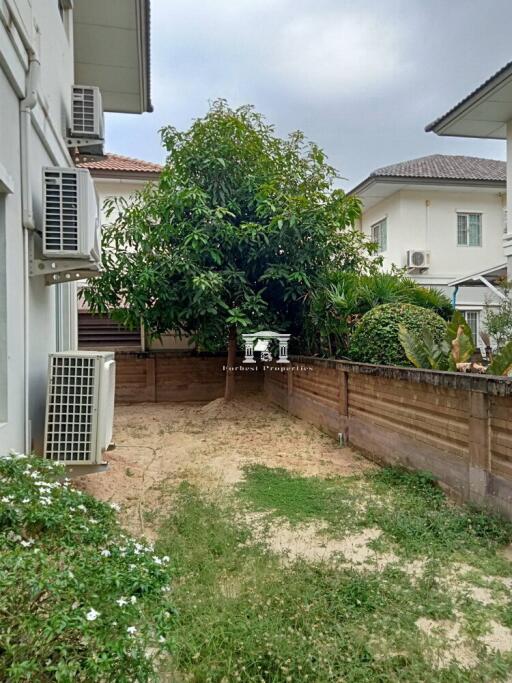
pixel 473 321
pixel 380 234
pixel 469 229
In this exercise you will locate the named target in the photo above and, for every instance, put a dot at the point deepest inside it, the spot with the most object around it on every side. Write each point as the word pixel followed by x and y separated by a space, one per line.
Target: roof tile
pixel 446 167
pixel 117 162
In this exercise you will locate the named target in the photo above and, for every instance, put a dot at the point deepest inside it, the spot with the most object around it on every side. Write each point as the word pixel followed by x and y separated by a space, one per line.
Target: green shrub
pixel 79 599
pixel 334 309
pixel 376 338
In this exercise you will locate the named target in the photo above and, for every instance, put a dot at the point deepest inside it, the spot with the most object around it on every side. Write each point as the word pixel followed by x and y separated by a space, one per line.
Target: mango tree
pixel 237 233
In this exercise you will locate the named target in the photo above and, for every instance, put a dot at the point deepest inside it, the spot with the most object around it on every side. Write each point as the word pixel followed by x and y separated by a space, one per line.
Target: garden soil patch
pixel 160 445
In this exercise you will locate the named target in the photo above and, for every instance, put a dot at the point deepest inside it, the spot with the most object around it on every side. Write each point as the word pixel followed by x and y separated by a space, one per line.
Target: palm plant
pixel 335 309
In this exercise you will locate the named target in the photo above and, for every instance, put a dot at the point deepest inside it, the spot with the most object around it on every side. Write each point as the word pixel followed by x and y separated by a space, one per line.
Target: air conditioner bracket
pixel 60 270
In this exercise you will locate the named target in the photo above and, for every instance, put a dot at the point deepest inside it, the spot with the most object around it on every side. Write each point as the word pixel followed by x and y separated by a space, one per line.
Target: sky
pixel 361 78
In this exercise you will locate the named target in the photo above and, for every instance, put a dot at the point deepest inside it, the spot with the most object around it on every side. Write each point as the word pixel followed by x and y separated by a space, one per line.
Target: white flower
pixel 161 639
pixel 157 560
pixel 82 508
pixel 166 589
pixel 92 615
pixel 165 558
pixel 133 599
pixel 75 605
pixel 115 506
pixel 27 544
pixel 131 630
pixel 26 500
pixel 106 553
pixel 122 601
pixel 7 499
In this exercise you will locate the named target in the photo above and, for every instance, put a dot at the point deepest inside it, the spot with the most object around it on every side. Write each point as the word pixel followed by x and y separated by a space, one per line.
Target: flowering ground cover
pixel 80 600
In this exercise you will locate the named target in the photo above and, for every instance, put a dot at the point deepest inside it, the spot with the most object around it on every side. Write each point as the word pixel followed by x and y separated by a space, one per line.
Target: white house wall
pixel 427 220
pixel 47 34
pixel 414 224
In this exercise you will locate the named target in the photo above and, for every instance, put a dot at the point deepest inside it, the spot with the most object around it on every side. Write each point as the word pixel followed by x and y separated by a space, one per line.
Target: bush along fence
pixel 456 426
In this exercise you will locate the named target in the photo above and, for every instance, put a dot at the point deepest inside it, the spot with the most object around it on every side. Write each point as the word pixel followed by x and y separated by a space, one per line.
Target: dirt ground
pixel 208 445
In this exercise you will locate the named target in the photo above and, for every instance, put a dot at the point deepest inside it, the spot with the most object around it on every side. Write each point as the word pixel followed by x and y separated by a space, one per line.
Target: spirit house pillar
pixel 283 348
pixel 249 348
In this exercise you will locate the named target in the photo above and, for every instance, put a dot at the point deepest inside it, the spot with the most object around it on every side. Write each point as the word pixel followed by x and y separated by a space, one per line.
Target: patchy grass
pixel 243 614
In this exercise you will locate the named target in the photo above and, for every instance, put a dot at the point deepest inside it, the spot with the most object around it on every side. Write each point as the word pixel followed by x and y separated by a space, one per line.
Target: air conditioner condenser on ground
pixel 79 407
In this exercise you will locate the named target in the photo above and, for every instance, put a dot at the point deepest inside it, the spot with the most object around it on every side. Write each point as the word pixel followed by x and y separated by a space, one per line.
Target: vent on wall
pixel 86 112
pixel 80 406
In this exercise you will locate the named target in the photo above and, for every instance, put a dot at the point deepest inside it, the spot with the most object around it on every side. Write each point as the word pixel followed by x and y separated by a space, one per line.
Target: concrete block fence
pixel 457 426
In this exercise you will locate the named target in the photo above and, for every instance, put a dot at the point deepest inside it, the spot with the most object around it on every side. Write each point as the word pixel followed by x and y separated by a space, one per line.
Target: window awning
pixel 490 278
pixel 112 52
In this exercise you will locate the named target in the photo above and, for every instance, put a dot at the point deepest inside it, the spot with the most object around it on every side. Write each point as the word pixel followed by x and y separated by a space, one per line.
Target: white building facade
pixel 46 46
pixel 442 218
pixel 486 113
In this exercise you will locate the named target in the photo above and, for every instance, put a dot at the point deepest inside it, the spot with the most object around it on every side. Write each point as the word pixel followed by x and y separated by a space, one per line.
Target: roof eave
pixel 145 54
pixel 440 124
pixel 102 174
pixel 418 180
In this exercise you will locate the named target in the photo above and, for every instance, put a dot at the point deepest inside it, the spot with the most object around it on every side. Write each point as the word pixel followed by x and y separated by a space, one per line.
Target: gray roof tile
pixel 446 167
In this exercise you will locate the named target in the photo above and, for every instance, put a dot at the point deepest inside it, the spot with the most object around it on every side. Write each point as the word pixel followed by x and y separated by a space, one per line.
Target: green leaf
pixel 502 362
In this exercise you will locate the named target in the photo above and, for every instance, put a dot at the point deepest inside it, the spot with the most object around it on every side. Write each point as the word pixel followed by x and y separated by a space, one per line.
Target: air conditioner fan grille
pixel 70 409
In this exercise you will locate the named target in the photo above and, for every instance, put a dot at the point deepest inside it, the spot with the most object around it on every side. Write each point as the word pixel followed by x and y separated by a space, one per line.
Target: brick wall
pixel 175 376
pixel 459 427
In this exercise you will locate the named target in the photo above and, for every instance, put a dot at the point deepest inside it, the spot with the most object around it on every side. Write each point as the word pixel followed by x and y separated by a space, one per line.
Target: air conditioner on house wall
pixel 79 407
pixel 87 125
pixel 418 259
pixel 70 236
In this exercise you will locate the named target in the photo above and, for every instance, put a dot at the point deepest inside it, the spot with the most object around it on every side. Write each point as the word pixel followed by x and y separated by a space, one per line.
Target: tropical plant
pixel 454 351
pixel 236 235
pixel 335 309
pixel 498 319
pixel 424 351
pixel 376 338
pixel 501 363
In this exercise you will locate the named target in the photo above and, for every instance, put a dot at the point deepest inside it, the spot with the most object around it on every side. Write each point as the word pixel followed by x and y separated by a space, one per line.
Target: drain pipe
pixel 454 296
pixel 27 211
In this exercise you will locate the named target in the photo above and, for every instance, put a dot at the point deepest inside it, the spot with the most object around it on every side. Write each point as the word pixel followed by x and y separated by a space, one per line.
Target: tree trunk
pixel 229 391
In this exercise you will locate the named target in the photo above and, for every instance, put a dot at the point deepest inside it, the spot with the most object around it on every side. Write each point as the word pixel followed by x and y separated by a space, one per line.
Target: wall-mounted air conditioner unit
pixel 418 259
pixel 86 113
pixel 70 235
pixel 79 407
pixel 70 214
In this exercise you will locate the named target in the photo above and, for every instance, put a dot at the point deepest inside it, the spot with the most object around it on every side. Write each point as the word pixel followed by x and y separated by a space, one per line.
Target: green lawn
pixel 370 578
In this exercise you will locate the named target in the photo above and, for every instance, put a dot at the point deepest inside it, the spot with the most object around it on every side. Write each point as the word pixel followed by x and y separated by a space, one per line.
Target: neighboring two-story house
pixel 46 47
pixel 116 176
pixel 442 218
pixel 486 113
